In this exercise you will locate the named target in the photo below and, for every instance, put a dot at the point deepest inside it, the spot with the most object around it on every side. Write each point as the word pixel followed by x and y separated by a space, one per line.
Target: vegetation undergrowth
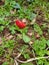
pixel 31 41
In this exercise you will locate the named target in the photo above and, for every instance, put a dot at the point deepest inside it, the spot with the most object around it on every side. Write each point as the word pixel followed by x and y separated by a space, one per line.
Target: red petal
pixel 20 24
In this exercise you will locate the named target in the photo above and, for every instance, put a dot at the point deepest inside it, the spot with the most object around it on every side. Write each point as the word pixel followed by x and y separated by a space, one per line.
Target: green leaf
pixel 12 3
pixel 17 6
pixel 48 42
pixel 1 28
pixel 5 63
pixel 1 51
pixel 27 63
pixel 38 29
pixel 12 29
pixel 32 16
pixel 47 52
pixel 41 62
pixel 26 56
pixel 26 38
pixel 8 44
pixel 39 46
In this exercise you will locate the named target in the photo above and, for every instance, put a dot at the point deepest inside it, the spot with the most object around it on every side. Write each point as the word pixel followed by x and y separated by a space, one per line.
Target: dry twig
pixel 32 59
pixel 16 63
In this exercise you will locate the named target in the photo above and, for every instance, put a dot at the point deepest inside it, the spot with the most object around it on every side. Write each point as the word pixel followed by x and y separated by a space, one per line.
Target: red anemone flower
pixel 20 24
